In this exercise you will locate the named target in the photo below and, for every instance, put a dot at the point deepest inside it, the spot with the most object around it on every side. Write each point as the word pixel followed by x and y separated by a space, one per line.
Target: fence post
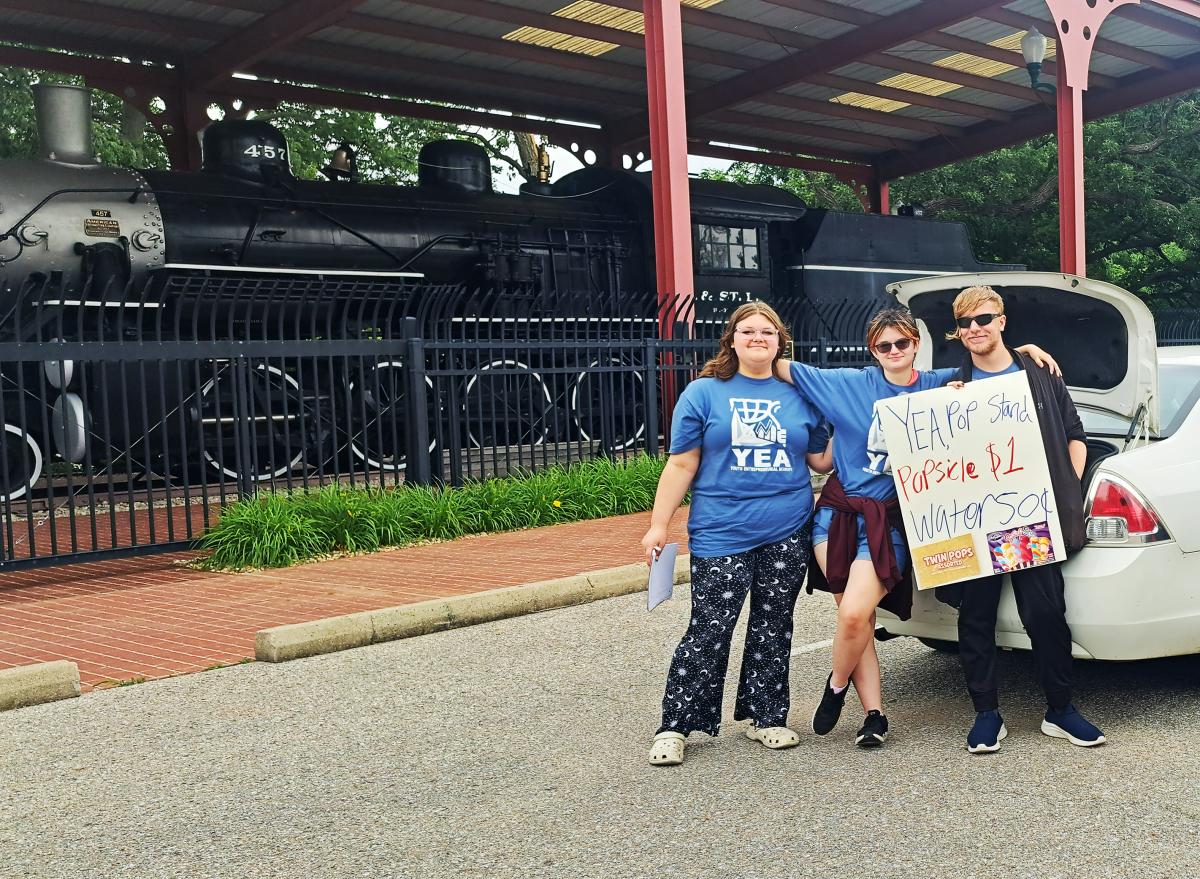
pixel 650 391
pixel 822 352
pixel 242 427
pixel 419 470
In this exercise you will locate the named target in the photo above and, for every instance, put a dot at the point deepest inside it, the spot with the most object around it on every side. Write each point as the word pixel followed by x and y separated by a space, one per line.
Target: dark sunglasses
pixel 901 345
pixel 982 319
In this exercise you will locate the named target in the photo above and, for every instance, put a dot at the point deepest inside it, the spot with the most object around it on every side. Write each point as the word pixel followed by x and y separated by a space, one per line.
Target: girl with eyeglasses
pixel 858 534
pixel 743 442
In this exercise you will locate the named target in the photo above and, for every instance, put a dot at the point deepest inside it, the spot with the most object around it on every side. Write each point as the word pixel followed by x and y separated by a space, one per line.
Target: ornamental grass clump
pixel 344 519
pixel 269 531
pixel 278 529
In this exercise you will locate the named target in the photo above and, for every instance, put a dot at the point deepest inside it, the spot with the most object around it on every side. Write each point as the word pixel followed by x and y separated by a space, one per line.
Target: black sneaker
pixel 826 716
pixel 874 730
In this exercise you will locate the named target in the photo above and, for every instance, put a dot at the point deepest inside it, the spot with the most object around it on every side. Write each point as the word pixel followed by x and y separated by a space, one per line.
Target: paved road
pixel 517 749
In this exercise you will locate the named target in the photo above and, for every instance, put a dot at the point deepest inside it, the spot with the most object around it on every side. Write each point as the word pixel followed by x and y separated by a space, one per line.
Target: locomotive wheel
pixel 380 411
pixel 20 463
pixel 626 404
pixel 276 444
pixel 506 408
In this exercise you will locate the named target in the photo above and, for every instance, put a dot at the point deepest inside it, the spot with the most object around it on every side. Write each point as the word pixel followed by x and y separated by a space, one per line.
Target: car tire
pixel 939 645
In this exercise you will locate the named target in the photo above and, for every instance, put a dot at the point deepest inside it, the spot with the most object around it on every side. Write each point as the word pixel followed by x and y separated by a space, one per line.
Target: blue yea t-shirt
pixel 977 373
pixel 753 486
pixel 847 397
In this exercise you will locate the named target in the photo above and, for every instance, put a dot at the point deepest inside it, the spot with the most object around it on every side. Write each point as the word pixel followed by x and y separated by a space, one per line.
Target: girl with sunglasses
pixel 858 535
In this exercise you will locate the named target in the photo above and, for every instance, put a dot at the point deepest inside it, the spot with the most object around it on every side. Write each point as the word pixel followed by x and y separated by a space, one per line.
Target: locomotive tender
pixel 91 252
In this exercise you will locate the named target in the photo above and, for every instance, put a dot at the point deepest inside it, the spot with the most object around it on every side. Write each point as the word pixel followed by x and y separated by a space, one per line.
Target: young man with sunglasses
pixel 980 322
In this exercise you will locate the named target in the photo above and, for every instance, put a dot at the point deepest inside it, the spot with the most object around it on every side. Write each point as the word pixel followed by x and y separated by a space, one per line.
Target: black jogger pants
pixel 1043 609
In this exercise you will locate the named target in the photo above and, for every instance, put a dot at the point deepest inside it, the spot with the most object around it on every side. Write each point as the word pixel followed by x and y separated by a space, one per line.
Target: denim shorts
pixel 820 534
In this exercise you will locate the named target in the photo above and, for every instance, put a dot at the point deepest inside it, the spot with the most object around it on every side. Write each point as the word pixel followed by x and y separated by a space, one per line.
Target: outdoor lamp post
pixel 1033 47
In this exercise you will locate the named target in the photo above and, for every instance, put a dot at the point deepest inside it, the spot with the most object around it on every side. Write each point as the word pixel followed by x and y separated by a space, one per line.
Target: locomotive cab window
pixel 733 249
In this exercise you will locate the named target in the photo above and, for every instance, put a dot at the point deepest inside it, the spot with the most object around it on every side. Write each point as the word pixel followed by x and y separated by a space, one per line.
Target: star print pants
pixel 772 574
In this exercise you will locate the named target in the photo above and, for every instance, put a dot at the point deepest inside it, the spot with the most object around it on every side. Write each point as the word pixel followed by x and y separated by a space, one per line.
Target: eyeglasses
pixel 886 347
pixel 766 334
pixel 983 320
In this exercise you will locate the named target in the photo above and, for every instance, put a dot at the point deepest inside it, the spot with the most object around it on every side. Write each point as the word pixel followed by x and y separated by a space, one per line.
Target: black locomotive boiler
pixel 243 249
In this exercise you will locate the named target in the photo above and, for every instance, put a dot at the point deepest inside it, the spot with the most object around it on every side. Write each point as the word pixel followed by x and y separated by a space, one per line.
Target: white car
pixel 1133 591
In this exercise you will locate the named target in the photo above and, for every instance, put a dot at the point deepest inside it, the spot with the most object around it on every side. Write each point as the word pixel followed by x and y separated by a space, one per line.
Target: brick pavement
pixel 152 617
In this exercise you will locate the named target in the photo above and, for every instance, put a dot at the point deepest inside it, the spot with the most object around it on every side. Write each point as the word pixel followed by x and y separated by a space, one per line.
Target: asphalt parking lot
pixel 518 749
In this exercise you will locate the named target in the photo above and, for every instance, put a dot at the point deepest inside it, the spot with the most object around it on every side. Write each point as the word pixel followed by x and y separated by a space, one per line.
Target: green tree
pixel 18 125
pixel 1143 190
pixel 387 145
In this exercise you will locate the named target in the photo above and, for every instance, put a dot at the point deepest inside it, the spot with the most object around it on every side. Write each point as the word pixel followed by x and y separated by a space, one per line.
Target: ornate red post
pixel 1077 23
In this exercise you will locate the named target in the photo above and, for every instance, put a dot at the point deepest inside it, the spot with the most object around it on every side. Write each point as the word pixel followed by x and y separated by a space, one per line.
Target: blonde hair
pixel 725 364
pixel 892 318
pixel 969 300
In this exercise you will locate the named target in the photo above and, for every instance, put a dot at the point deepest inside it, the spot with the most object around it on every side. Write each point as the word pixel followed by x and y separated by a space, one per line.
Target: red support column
pixel 668 152
pixel 1072 240
pixel 1077 23
pixel 877 196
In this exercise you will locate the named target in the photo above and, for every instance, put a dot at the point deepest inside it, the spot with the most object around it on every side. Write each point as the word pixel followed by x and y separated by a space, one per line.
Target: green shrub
pixel 276 530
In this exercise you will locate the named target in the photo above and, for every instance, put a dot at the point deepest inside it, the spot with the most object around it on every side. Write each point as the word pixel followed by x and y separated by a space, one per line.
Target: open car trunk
pixel 1102 336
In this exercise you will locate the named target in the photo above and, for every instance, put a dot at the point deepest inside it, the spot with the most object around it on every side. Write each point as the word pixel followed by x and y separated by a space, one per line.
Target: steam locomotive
pixel 244 249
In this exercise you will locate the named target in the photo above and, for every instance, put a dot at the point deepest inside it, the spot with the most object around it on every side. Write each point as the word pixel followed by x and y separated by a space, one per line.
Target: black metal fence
pixel 130 418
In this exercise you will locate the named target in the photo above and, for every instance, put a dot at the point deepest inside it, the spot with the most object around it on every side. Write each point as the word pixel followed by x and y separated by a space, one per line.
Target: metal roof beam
pixel 858 114
pixel 726 24
pixel 933 102
pixel 1163 23
pixel 500 48
pixel 779 160
pixel 85 44
pixel 319 97
pixel 163 80
pixel 1190 8
pixel 119 16
pixel 531 18
pixel 1105 47
pixel 948 74
pixel 291 22
pixel 772 145
pixel 831 11
pixel 80 65
pixel 1135 90
pixel 470 75
pixel 756 122
pixel 395 86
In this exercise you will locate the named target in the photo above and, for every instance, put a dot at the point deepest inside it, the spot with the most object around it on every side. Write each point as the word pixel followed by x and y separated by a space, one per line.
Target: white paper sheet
pixel 662 576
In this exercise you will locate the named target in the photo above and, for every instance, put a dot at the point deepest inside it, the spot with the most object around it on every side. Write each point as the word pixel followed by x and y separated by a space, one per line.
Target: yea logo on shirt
pixel 877 450
pixel 753 431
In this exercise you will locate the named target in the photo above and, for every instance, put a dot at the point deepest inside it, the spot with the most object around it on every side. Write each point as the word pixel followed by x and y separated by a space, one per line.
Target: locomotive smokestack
pixel 64 123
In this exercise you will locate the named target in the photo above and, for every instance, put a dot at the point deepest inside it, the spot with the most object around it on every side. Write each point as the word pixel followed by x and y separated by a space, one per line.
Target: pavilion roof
pixel 896 85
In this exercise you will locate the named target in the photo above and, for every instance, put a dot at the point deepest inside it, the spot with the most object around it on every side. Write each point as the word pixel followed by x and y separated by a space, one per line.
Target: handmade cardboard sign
pixel 971 473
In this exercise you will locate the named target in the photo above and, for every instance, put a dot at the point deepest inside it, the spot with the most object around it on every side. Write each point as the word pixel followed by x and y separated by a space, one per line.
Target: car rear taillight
pixel 1118 514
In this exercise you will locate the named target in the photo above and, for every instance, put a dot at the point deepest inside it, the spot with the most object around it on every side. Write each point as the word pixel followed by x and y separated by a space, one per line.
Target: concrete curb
pixel 35 684
pixel 295 641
